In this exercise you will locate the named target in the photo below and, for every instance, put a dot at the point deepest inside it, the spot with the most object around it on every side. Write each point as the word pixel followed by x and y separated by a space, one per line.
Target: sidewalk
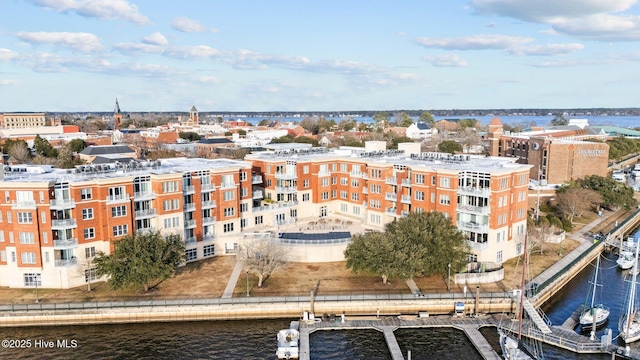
pixel 233 280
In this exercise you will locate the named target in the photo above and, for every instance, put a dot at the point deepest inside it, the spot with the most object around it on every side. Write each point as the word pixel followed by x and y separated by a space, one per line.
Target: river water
pixel 255 339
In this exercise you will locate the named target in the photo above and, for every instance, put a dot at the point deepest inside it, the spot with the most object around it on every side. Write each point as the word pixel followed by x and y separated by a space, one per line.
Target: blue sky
pixel 329 55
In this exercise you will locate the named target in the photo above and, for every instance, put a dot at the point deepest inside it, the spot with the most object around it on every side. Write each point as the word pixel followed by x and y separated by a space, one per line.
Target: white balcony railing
pixel 189 207
pixel 392 211
pixel 391 181
pixel 470 226
pixel 23 204
pixel 66 262
pixel 189 189
pixel 142 195
pixel 406 199
pixel 485 192
pixel 258 194
pixel 190 240
pixel 274 206
pixel 286 189
pixel 285 176
pixel 190 223
pixel 228 185
pixel 478 246
pixel 406 182
pixel 63 224
pixel 324 173
pixel 208 204
pixel 484 210
pixel 117 198
pixel 256 179
pixel 207 187
pixel 65 243
pixel 59 204
pixel 391 197
pixel 209 237
pixel 365 190
pixel 145 213
pixel 208 220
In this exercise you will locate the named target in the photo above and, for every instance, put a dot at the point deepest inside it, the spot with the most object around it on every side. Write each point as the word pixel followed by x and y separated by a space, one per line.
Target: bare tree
pixel 573 202
pixel 262 255
pixel 86 268
pixel 540 234
pixel 20 152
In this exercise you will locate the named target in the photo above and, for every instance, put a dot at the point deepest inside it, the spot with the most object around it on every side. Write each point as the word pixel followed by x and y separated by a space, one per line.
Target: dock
pixel 387 325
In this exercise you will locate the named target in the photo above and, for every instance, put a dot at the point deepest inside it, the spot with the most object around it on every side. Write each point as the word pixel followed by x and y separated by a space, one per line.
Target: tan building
pixel 554 155
pixel 22 120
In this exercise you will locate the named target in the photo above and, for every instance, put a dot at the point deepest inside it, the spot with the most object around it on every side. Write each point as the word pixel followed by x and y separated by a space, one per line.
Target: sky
pixel 318 55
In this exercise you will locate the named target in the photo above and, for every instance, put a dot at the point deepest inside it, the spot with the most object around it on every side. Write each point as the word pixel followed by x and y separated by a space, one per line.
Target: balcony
pixel 65 243
pixel 256 179
pixel 392 181
pixel 392 211
pixel 228 185
pixel 189 224
pixel 357 174
pixel 144 195
pixel 189 207
pixel 146 213
pixel 286 189
pixel 274 206
pixel 406 182
pixel 258 194
pixel 62 204
pixel 208 237
pixel 404 213
pixel 188 189
pixel 63 224
pixel 406 199
pixel 66 262
pixel 190 240
pixel 483 210
pixel 391 197
pixel 23 204
pixel 113 199
pixel 146 230
pixel 324 173
pixel 285 176
pixel 470 226
pixel 365 190
pixel 208 220
pixel 208 204
pixel 484 192
pixel 207 187
pixel 478 246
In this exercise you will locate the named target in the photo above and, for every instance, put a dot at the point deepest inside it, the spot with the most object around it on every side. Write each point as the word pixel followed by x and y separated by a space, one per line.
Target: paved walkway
pixel 233 280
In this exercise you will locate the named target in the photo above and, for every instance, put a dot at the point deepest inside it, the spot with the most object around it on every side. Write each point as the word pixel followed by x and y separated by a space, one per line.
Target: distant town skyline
pixel 261 56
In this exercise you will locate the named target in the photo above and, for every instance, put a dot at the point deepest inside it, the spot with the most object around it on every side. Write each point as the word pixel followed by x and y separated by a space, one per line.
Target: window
pixel 376 173
pixel 243 176
pixel 87 214
pixel 244 207
pixel 305 169
pixel 209 250
pixel 89 233
pixel 323 211
pixel 3 255
pixel 334 194
pixel 120 230
pixel 433 180
pixel 355 183
pixel 375 189
pixel 119 211
pixel 90 275
pixel 503 183
pixel 305 197
pixel 433 197
pixel 344 181
pixel 445 200
pixel 26 237
pixel 1 236
pixel 171 204
pixel 258 220
pixel 169 186
pixel 419 179
pixel 32 279
pixel 356 210
pixel 324 195
pixel 25 218
pixel 445 182
pixel 355 196
pixel 28 257
pixel 420 195
pixel 90 252
pixel 227 227
pixel 243 223
pixel 518 249
pixel 374 218
pixel 305 183
pixel 85 194
pixel 343 194
pixel 244 191
pixel 229 212
pixel 191 254
pixel 344 208
pixel 228 195
pixel 343 167
pixel 499 257
pixel 324 182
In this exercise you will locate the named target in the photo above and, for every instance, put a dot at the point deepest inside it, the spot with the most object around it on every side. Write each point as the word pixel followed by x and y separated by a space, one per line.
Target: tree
pixel 614 193
pixel 306 140
pixel 426 117
pixel 347 124
pixel 397 140
pixel 282 140
pixel 43 147
pixel 403 119
pixel 381 120
pixel 263 256
pixel 559 120
pixel 449 146
pixel 264 122
pixel 76 145
pixel 189 136
pixel 573 202
pixel 20 151
pixel 419 244
pixel 140 259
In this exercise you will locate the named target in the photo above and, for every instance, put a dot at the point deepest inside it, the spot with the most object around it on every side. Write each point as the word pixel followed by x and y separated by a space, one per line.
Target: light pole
pixel 247 283
pixel 448 276
pixel 37 301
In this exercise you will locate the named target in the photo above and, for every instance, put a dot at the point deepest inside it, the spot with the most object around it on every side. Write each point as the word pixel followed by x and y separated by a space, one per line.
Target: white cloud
pixel 101 9
pixel 187 25
pixel 547 50
pixel 192 52
pixel 601 27
pixel 155 39
pixel 6 82
pixel 131 48
pixel 447 60
pixel 6 54
pixel 84 42
pixel 475 42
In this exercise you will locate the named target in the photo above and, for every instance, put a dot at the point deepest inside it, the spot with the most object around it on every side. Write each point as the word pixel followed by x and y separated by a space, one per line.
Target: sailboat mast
pixel 524 269
pixel 632 295
pixel 595 282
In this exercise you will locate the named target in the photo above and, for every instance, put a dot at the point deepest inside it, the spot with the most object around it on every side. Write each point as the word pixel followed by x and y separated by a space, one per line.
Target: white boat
pixel 629 324
pixel 513 348
pixel 636 171
pixel 596 314
pixel 626 260
pixel 289 342
pixel 619 176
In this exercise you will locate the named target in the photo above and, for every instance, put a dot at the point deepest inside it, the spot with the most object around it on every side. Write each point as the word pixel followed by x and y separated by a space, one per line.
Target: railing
pixel 392 211
pixel 190 223
pixel 365 190
pixel 145 213
pixel 23 204
pixel 478 246
pixel 314 241
pixel 474 227
pixel 228 185
pixel 189 206
pixel 391 181
pixel 285 222
pixel 209 237
pixel 257 194
pixel 406 182
pixel 286 189
pixel 484 210
pixel 356 174
pixel 391 196
pixel 256 179
pixel 274 206
pixel 208 204
pixel 324 173
pixel 207 187
pixel 190 240
pixel 65 243
pixel 66 262
pixel 142 195
pixel 65 223
pixel 208 220
pixel 284 176
pixel 188 189
pixel 406 199
pixel 475 191
pixel 62 203
pixel 117 198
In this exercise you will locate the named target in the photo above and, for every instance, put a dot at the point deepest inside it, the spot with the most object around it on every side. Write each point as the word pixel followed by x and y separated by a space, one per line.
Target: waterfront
pixel 255 339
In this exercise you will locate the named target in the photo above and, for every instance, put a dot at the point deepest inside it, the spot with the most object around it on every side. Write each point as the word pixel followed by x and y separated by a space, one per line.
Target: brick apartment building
pixel 22 120
pixel 52 220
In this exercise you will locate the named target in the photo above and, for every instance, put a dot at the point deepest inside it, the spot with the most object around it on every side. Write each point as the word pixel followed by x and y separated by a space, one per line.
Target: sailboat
pixel 597 314
pixel 629 325
pixel 514 348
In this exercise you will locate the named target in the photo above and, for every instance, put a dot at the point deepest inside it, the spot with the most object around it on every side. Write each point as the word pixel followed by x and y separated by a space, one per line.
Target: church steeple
pixel 117 116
